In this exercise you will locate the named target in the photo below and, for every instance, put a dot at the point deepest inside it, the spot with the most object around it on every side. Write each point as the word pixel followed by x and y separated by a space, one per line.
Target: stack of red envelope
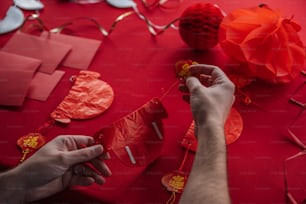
pixel 29 64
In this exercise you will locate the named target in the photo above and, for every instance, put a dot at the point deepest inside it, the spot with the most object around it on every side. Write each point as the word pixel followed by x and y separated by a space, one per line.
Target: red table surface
pixel 139 67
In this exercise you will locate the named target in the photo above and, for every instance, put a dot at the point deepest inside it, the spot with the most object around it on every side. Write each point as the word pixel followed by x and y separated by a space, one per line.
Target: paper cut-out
pixel 29 4
pixel 87 98
pixel 122 3
pixel 14 19
pixel 137 138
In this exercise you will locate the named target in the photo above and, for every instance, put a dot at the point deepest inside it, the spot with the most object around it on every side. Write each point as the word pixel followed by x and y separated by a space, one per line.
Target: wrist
pixel 210 125
pixel 211 132
pixel 12 187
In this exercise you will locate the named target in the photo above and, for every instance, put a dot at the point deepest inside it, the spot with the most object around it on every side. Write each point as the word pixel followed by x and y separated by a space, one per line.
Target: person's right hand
pixel 210 102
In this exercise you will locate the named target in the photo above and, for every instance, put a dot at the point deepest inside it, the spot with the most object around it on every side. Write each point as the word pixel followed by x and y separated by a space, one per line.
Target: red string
pixel 247 99
pixel 288 194
pixel 172 198
pixel 296 140
pixel 185 158
pixel 174 84
pixel 43 128
pixel 296 102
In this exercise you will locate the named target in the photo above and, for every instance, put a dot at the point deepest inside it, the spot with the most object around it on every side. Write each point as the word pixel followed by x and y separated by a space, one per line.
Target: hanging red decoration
pixel 88 97
pixel 199 25
pixel 267 45
pixel 29 143
pixel 176 180
pixel 136 139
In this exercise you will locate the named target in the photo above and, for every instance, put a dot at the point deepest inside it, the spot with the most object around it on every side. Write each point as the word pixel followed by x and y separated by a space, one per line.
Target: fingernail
pixel 99 148
pixel 107 155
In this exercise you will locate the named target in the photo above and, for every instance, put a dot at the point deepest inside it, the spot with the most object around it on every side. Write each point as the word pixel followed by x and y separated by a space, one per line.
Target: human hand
pixel 211 95
pixel 60 163
pixel 210 103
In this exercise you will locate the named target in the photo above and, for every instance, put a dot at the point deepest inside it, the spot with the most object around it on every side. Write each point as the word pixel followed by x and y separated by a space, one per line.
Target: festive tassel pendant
pixel 29 143
pixel 175 183
pixel 176 180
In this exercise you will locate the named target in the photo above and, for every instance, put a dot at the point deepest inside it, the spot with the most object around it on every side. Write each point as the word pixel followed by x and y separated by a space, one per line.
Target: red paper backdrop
pixel 139 67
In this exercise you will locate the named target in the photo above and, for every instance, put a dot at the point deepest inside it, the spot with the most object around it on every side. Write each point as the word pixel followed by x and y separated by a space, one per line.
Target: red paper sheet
pixel 82 52
pixel 10 61
pixel 49 52
pixel 16 72
pixel 43 84
pixel 13 86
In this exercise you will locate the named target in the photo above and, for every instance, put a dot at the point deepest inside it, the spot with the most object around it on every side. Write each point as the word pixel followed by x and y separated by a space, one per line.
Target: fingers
pixel 205 80
pixel 81 181
pixel 84 154
pixel 212 76
pixel 183 88
pixel 78 139
pixel 101 167
pixel 205 69
pixel 95 165
pixel 104 156
pixel 84 175
pixel 186 98
pixel 215 72
pixel 193 84
pixel 83 140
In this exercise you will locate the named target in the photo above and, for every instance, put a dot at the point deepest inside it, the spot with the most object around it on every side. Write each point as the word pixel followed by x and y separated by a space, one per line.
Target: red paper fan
pixel 233 128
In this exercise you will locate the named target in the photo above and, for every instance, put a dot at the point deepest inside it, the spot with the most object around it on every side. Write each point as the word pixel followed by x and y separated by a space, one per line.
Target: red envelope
pixel 42 85
pixel 16 72
pixel 49 52
pixel 137 138
pixel 82 52
pixel 13 86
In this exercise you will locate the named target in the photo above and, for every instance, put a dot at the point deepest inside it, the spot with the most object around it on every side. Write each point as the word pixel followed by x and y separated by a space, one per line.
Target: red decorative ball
pixel 199 25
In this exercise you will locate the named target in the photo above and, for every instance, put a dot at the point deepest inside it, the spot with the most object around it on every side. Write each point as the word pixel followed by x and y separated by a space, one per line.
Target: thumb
pixel 84 155
pixel 193 83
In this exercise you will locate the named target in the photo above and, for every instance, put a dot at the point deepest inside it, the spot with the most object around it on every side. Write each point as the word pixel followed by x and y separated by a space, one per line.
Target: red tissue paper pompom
pixel 265 42
pixel 199 25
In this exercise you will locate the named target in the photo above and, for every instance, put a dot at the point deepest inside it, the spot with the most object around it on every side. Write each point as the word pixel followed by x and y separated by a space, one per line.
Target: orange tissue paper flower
pixel 266 43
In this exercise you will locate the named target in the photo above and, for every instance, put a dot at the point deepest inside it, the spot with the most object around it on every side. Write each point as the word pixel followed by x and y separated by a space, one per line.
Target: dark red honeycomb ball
pixel 199 25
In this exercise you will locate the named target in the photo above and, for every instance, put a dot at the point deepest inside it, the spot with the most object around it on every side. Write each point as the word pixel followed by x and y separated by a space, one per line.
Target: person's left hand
pixel 60 163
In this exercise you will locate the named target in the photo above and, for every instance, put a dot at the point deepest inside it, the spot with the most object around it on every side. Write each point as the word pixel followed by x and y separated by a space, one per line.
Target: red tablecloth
pixel 139 67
